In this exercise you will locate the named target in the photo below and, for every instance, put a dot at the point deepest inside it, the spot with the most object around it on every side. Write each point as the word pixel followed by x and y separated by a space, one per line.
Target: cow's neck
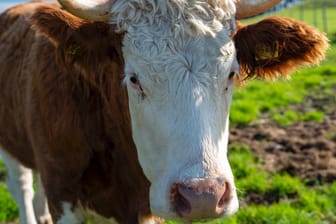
pixel 115 158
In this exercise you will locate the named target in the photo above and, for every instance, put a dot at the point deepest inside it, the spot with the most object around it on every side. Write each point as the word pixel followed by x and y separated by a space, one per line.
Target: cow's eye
pixel 134 80
pixel 231 75
pixel 135 84
pixel 230 80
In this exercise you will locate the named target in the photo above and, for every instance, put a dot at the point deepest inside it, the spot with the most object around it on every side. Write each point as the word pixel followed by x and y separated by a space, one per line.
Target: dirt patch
pixel 303 149
pixel 265 199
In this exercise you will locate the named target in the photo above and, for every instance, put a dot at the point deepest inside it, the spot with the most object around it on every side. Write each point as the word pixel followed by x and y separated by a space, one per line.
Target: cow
pixel 121 107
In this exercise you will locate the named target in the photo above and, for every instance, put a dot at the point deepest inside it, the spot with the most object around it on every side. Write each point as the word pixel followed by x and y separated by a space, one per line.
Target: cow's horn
pixel 248 8
pixel 94 10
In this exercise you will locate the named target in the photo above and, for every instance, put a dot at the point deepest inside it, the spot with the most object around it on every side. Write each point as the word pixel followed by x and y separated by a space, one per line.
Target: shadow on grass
pixel 333 38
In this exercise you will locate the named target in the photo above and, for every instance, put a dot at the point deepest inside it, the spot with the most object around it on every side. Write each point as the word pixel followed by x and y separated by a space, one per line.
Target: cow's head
pixel 181 57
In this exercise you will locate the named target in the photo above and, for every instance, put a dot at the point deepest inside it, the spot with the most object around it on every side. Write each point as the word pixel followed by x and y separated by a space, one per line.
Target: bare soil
pixel 303 149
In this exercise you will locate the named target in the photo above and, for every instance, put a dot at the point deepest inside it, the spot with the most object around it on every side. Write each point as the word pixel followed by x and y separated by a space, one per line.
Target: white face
pixel 180 90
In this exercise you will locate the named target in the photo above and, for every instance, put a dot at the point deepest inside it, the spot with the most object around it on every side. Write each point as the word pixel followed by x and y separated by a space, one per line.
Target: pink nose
pixel 200 199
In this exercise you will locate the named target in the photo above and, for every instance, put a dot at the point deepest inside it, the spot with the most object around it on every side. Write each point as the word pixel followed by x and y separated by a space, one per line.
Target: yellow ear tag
pixel 267 52
pixel 73 49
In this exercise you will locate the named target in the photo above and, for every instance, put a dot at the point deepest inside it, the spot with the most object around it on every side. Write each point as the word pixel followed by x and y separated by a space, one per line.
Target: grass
pixel 294 201
pixel 2 170
pixel 8 208
pixel 289 116
pixel 264 96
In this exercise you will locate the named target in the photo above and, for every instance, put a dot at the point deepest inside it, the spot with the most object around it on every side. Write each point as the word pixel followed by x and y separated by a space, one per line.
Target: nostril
pixel 224 200
pixel 180 204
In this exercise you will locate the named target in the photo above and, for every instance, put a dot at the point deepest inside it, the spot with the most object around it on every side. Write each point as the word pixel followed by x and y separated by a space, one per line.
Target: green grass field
pixel 249 102
pixel 8 208
pixel 297 201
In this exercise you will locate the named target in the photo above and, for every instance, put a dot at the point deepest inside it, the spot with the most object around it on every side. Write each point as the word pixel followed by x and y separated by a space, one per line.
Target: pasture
pixel 282 144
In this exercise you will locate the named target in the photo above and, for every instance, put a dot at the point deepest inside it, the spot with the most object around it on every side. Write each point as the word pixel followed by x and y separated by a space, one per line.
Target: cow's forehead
pixel 201 17
pixel 164 55
pixel 193 40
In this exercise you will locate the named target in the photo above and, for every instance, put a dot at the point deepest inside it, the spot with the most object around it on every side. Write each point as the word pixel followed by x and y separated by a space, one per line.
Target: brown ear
pixel 276 46
pixel 93 47
pixel 54 23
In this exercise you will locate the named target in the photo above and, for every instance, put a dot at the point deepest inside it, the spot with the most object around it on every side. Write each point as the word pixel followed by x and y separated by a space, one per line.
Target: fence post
pixel 291 14
pixel 315 6
pixel 325 18
pixel 301 13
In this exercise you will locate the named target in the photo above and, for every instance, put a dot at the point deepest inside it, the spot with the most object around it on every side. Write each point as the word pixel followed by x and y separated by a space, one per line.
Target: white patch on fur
pixel 20 185
pixel 69 216
pixel 182 53
pixel 81 215
pixel 41 204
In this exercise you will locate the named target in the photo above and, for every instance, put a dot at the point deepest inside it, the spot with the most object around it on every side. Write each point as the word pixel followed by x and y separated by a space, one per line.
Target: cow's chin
pixel 160 201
